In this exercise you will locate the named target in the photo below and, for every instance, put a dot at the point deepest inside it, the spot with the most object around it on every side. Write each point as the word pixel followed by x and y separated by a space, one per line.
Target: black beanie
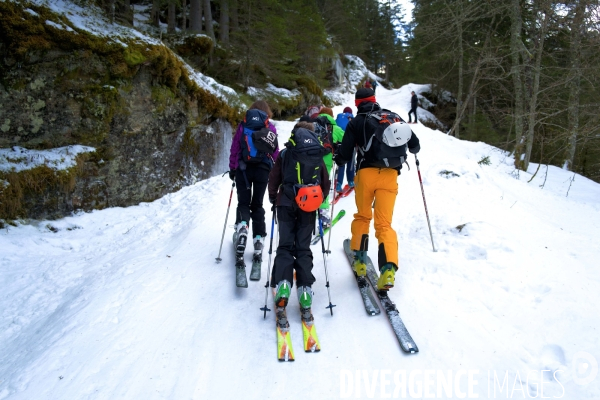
pixel 363 93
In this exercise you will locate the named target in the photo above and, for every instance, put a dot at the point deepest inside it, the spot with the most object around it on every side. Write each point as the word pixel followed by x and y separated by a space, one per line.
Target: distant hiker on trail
pixel 376 180
pixel 367 84
pixel 337 136
pixel 414 103
pixel 297 186
pixel 374 84
pixel 342 120
pixel 253 151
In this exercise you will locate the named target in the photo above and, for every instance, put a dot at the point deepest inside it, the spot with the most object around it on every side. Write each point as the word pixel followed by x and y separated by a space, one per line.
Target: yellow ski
pixel 311 340
pixel 285 352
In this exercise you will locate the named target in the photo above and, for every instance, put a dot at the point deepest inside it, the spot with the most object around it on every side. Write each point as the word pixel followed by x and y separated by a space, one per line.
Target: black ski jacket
pixel 355 136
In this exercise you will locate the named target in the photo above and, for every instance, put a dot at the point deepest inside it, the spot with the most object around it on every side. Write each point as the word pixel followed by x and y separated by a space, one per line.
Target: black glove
pixel 415 150
pixel 232 174
pixel 273 206
pixel 338 159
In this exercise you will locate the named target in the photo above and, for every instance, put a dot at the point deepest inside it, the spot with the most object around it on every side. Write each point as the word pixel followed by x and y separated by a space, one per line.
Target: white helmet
pixel 397 134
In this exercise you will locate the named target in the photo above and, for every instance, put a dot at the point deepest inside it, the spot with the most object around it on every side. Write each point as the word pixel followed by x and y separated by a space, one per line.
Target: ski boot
pixel 338 187
pixel 359 266
pixel 282 293
pixel 259 244
pixel 324 218
pixel 305 295
pixel 240 237
pixel 351 184
pixel 386 280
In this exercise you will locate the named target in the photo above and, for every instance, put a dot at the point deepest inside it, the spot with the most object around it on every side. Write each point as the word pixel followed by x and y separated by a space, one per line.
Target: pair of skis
pixel 367 286
pixel 285 351
pixel 240 267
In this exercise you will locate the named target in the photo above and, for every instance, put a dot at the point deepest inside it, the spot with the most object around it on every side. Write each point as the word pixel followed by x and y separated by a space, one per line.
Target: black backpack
pixel 324 130
pixel 377 150
pixel 302 161
pixel 258 142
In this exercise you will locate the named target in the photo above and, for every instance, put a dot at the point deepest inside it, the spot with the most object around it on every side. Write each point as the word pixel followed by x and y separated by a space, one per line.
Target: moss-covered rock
pixel 133 103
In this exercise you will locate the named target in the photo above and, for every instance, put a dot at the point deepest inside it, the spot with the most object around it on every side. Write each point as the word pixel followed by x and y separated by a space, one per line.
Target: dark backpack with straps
pixel 385 147
pixel 324 130
pixel 258 142
pixel 302 161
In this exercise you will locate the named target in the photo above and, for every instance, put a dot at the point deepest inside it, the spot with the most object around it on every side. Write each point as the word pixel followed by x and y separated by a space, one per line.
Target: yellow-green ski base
pixel 311 340
pixel 285 351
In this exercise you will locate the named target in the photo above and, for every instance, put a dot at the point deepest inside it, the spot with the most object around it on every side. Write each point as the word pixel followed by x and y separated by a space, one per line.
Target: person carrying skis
pixel 414 102
pixel 250 171
pixel 374 182
pixel 338 135
pixel 297 184
pixel 342 120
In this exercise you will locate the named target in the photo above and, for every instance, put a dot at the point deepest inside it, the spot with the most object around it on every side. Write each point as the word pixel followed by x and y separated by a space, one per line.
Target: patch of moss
pixel 133 57
pixel 189 147
pixel 18 186
pixel 162 97
pixel 194 45
pixel 310 84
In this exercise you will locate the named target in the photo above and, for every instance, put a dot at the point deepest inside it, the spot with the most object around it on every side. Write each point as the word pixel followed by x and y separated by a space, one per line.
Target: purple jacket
pixel 236 146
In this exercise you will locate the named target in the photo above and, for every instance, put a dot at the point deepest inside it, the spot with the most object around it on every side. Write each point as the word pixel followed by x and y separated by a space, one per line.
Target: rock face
pixel 152 133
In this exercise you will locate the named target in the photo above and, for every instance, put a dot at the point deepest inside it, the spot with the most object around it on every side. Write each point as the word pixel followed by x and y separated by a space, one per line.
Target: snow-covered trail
pixel 129 302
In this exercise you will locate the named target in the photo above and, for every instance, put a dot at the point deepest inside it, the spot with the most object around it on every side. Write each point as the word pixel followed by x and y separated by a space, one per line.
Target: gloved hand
pixel 415 150
pixel 232 174
pixel 273 206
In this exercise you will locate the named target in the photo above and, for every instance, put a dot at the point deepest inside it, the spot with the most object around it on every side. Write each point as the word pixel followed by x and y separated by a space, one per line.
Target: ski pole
pixel 225 225
pixel 425 203
pixel 330 306
pixel 265 308
pixel 335 168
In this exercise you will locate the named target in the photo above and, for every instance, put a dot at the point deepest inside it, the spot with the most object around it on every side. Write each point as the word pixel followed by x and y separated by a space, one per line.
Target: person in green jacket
pixel 338 135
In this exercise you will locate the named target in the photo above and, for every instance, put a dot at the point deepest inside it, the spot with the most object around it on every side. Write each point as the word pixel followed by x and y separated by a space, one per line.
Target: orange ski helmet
pixel 309 197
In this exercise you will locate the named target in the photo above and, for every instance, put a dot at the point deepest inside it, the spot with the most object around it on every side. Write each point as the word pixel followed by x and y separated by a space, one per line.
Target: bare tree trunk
pixel 574 84
pixel 224 22
pixel 171 22
pixel 155 13
pixel 208 20
pixel 535 90
pixel 515 49
pixel 183 15
pixel 461 57
pixel 196 16
pixel 233 12
pixel 460 112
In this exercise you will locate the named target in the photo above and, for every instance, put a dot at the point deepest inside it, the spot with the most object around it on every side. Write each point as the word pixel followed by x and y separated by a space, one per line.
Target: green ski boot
pixel 359 266
pixel 282 293
pixel 305 295
pixel 386 280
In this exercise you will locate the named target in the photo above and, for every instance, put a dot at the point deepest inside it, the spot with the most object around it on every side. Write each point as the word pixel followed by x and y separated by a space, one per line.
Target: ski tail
pixel 405 340
pixel 285 351
pixel 309 332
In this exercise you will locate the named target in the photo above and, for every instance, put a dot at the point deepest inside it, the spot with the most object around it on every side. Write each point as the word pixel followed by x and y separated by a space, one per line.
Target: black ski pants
pixel 250 194
pixel 293 253
pixel 412 111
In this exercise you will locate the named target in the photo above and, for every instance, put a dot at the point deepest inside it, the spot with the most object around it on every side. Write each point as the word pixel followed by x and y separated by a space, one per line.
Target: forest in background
pixel 522 75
